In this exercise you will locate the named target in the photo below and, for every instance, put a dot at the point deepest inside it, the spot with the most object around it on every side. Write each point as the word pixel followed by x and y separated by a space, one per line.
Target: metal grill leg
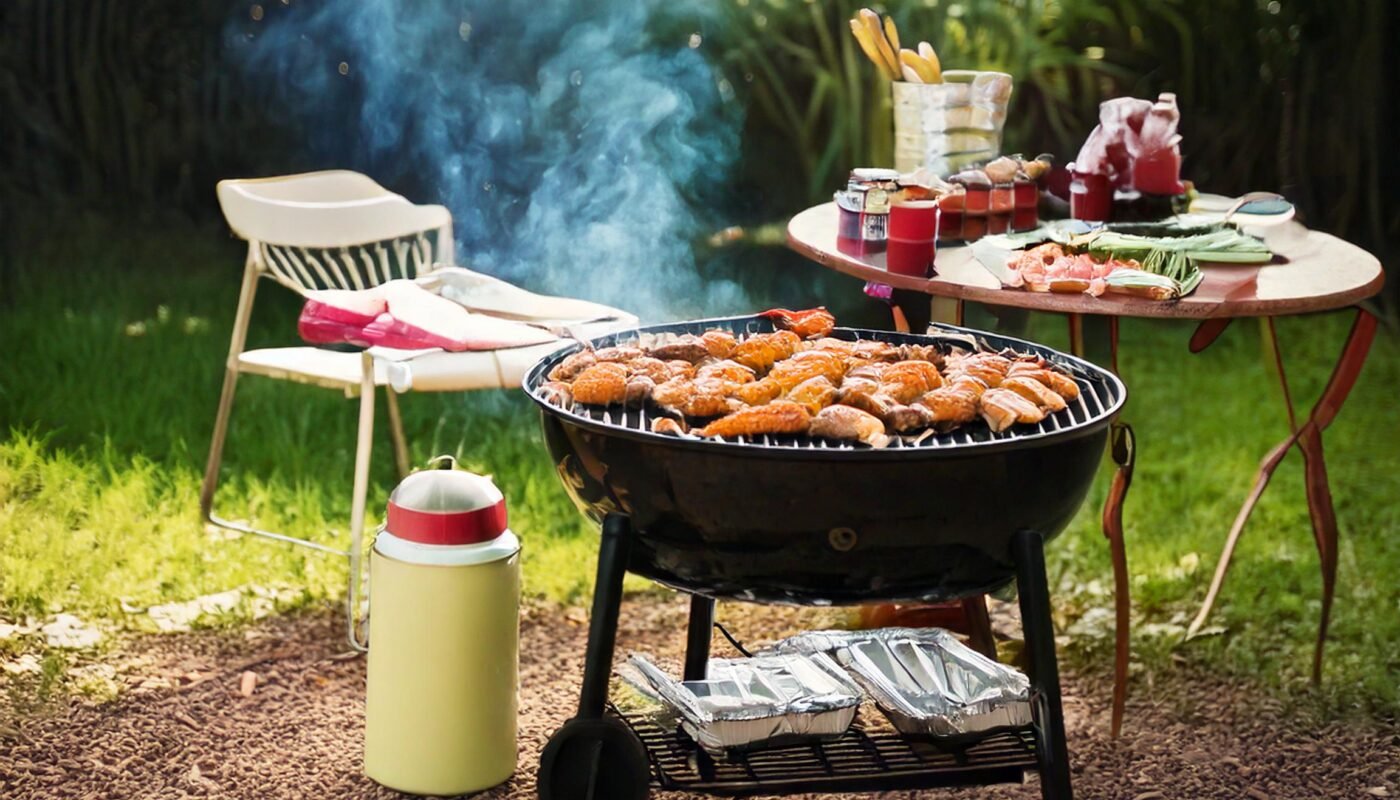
pixel 697 637
pixel 613 552
pixel 1051 750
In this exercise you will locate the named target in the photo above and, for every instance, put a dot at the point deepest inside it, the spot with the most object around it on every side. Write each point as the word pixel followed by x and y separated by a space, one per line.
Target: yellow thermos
pixel 440 715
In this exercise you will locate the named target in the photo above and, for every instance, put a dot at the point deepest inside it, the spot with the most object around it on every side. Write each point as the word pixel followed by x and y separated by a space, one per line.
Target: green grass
pixel 113 351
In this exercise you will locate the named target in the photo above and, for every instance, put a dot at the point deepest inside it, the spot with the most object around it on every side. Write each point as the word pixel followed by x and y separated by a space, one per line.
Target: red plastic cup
pixel 998 223
pixel 1090 197
pixel 978 199
pixel 910 247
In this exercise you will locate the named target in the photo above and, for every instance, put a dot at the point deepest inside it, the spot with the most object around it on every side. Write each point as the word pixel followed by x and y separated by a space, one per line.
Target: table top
pixel 1313 271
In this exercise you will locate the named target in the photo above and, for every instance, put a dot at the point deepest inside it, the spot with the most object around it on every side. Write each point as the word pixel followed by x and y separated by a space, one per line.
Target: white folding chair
pixel 341 230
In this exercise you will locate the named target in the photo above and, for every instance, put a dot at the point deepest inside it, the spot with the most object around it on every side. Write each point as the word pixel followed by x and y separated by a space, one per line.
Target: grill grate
pixel 861 760
pixel 1100 394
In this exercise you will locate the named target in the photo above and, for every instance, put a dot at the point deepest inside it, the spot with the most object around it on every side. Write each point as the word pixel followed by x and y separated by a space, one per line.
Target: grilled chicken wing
pixel 1035 391
pixel 1061 384
pixel 921 352
pixel 726 370
pixel 1002 408
pixel 759 392
pixel 719 344
pixel 990 368
pixel 814 394
pixel 571 366
pixel 779 416
pixel 808 364
pixel 653 368
pixel 847 423
pixel 603 384
pixel 620 354
pixel 686 348
pixel 756 353
pixel 907 381
pixel 875 403
pixel 702 397
pixel 954 403
pixel 681 369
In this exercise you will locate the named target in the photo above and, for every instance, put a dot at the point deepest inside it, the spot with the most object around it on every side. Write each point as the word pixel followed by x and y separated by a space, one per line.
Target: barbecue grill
pixel 803 520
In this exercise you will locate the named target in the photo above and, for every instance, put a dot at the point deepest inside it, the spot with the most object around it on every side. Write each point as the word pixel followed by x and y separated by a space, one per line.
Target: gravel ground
pixel 191 732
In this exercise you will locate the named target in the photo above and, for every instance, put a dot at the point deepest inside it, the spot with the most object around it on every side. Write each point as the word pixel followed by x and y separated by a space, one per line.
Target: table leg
pixel 1308 438
pixel 1123 447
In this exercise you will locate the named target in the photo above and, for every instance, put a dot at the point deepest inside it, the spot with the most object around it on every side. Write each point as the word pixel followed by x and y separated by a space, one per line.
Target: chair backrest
pixel 335 230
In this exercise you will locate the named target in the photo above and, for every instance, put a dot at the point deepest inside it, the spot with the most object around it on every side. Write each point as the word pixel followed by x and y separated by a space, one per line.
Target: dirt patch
pixel 194 734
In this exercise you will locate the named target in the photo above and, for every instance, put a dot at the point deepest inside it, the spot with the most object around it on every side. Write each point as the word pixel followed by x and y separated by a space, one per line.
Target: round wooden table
pixel 1313 272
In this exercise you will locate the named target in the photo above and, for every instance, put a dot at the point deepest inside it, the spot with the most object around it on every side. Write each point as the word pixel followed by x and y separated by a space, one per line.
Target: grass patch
pixel 112 373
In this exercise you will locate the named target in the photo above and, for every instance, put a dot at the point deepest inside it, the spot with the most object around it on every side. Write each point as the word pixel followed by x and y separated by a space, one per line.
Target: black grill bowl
pixel 786 522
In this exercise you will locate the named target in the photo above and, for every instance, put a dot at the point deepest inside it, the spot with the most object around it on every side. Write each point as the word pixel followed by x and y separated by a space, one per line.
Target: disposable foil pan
pixel 748 703
pixel 925 680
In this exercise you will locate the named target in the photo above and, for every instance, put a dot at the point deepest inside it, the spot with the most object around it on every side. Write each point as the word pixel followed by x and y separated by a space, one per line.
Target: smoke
pixel 577 152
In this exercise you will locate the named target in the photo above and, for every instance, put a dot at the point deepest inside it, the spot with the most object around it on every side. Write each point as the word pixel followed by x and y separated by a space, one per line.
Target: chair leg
pixel 363 448
pixel 216 445
pixel 401 457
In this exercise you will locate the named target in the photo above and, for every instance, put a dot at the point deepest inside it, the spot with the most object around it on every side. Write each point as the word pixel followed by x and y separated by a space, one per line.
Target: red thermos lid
pixel 446 507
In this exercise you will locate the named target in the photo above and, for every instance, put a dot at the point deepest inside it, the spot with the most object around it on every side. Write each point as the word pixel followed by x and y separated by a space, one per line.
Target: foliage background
pixel 133 105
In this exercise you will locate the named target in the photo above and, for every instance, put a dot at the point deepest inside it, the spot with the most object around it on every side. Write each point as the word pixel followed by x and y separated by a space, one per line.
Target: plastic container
pixel 440 711
pixel 948 126
pixel 913 229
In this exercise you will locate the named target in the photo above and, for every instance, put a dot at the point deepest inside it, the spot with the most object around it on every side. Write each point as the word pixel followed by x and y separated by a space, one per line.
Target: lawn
pixel 114 344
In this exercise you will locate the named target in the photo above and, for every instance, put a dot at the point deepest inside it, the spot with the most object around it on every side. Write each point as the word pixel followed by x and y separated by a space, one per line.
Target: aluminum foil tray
pixel 925 680
pixel 749 703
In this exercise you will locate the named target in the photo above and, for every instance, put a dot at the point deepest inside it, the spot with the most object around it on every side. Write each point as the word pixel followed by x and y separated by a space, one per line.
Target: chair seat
pixel 434 371
pixel 329 369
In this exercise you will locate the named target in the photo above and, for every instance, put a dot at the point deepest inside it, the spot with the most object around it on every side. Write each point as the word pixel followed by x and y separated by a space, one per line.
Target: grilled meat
pixel 757 353
pixel 719 344
pixel 779 416
pixel 621 354
pixel 759 392
pixel 907 381
pixel 557 393
pixel 955 403
pixel 1061 384
pixel 603 384
pixel 681 369
pixel 814 394
pixel 1002 408
pixel 687 348
pixel 668 425
pixel 906 419
pixel 702 397
pixel 638 391
pixel 810 324
pixel 726 370
pixel 845 422
pixel 570 367
pixel 1035 391
pixel 653 368
pixel 808 364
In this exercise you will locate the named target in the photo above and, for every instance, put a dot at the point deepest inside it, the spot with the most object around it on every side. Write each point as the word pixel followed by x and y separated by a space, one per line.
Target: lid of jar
pixel 446 506
pixel 874 174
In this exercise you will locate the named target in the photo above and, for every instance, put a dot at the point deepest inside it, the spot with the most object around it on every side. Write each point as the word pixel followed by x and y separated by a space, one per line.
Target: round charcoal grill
pixel 797 519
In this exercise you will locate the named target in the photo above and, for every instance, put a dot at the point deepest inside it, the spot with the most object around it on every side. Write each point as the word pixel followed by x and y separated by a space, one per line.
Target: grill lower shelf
pixel 861 760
